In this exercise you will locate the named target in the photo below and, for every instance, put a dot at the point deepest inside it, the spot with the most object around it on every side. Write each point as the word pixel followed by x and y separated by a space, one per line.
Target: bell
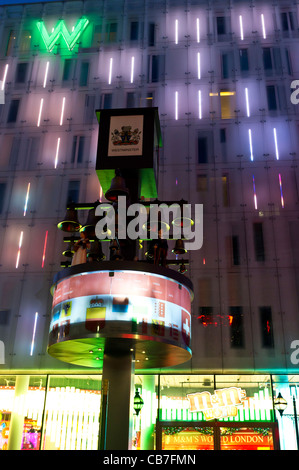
pixel 183 222
pixel 117 188
pixel 179 248
pixel 70 249
pixel 89 226
pixel 70 222
pixel 182 269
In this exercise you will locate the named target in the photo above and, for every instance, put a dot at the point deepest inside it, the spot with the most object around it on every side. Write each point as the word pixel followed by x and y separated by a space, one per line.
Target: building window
pixel 73 192
pixel 227 64
pixel 151 35
pixel 155 68
pixel 134 30
pixel 258 238
pixel 228 104
pixel 111 32
pixel 222 28
pixel 271 98
pixel 11 44
pixel 97 35
pixel 202 149
pixel 235 250
pixel 78 149
pixel 13 111
pixel 266 327
pixel 83 80
pixel 287 21
pixel 25 41
pixel 225 190
pixel 202 183
pixel 131 100
pixel 236 327
pixel 106 101
pixel 244 61
pixel 68 70
pixel 2 196
pixel 21 72
pixel 4 317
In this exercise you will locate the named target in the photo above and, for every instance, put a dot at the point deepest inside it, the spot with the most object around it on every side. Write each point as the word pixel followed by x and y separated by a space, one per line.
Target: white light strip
pixel 199 105
pixel 176 105
pixel 197 30
pixel 110 71
pixel 132 69
pixel 62 111
pixel 176 27
pixel 276 145
pixel 198 66
pixel 19 250
pixel 247 102
pixel 40 111
pixel 46 75
pixel 250 144
pixel 4 77
pixel 241 28
pixel 26 199
pixel 57 152
pixel 33 334
pixel 263 26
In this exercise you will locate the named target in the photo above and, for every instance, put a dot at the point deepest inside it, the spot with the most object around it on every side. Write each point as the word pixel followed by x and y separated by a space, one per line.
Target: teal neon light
pixel 61 30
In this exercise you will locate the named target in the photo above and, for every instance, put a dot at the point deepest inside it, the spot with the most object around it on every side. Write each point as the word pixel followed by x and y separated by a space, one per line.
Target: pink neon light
pixel 45 247
pixel 281 194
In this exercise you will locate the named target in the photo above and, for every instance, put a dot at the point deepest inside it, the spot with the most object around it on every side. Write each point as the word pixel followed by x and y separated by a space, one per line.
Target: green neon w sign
pixel 61 30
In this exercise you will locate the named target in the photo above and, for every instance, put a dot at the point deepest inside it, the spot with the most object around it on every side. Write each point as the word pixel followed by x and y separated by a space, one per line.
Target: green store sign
pixel 60 31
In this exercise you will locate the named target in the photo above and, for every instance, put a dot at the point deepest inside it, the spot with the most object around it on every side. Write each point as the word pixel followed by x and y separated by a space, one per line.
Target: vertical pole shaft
pixel 17 417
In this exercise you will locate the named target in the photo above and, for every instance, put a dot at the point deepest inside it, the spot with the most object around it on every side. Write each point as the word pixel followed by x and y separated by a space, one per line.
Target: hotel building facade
pixel 222 75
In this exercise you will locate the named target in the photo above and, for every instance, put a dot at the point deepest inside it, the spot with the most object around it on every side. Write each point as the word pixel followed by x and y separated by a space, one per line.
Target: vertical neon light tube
pixel 281 194
pixel 4 77
pixel 241 28
pixel 62 111
pixel 40 111
pixel 250 144
pixel 19 250
pixel 176 105
pixel 26 199
pixel 176 32
pixel 199 105
pixel 197 30
pixel 46 75
pixel 33 334
pixel 276 145
pixel 254 193
pixel 45 247
pixel 57 152
pixel 247 102
pixel 110 71
pixel 263 26
pixel 132 69
pixel 198 66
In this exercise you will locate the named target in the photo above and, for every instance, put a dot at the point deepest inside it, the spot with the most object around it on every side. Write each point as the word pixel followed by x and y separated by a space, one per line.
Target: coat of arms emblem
pixel 125 136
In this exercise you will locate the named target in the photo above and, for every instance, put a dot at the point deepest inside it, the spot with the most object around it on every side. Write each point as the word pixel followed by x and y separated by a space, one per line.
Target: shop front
pixel 179 412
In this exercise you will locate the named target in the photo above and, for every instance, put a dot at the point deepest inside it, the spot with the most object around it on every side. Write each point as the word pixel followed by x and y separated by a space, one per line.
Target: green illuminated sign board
pixel 60 30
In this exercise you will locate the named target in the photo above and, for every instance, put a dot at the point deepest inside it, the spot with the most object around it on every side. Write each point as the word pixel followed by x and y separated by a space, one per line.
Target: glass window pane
pixel 246 438
pixel 72 413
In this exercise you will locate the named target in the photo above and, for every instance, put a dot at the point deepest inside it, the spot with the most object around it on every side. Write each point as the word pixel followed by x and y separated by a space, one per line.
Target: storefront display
pixel 179 412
